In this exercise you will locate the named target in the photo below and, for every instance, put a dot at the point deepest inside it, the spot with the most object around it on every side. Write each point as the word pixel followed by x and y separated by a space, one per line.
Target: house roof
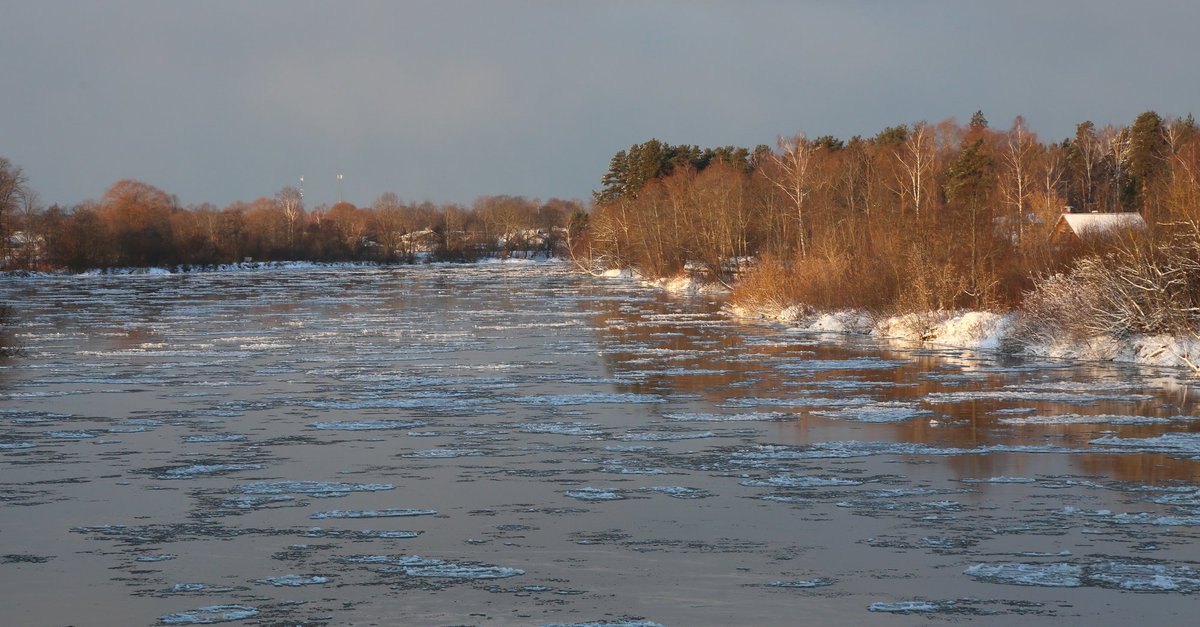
pixel 1101 223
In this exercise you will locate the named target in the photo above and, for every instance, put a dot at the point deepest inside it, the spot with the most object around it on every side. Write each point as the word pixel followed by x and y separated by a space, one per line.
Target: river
pixel 515 444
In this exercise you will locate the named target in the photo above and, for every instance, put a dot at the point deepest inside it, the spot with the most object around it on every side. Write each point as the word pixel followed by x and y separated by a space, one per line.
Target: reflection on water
pixel 514 444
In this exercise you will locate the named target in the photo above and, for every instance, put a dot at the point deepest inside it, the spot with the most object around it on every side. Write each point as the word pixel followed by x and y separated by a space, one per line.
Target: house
pixel 1083 226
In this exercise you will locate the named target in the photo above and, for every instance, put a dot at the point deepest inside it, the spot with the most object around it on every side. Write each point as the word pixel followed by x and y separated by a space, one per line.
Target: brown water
pixel 511 444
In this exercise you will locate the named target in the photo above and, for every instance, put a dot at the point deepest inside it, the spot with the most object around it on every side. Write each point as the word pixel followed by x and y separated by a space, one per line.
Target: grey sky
pixel 219 101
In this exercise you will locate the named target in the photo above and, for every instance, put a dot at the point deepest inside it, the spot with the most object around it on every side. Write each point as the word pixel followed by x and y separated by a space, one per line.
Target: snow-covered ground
pixel 986 331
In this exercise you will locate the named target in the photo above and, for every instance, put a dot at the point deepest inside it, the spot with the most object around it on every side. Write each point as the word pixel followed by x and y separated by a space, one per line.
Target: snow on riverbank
pixel 986 331
pixel 683 284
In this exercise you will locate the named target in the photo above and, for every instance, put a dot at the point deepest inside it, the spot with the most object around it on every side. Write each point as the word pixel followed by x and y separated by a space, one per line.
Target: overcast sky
pixel 217 101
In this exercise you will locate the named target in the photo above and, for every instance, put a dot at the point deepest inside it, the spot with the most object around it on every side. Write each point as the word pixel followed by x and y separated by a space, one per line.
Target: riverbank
pixel 987 331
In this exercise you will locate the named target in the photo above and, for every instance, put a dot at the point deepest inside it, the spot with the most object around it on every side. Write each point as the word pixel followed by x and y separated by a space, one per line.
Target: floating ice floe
pixel 1187 443
pixel 368 425
pixel 882 412
pixel 586 399
pixel 450 570
pixel 354 534
pixel 215 437
pixel 679 492
pixel 1031 395
pixel 196 470
pixel 583 429
pixel 800 481
pixel 819 582
pixel 70 435
pixel 1137 518
pixel 311 488
pixel 666 436
pixel 594 494
pixel 759 416
pixel 445 453
pixel 1084 419
pixel 1123 575
pixel 826 365
pixel 210 614
pixel 910 607
pixel 1001 479
pixel 798 401
pixel 606 623
pixel 839 450
pixel 621 468
pixel 294 580
pixel 254 502
pixel 372 513
pixel 634 448
pixel 437 403
pixel 392 560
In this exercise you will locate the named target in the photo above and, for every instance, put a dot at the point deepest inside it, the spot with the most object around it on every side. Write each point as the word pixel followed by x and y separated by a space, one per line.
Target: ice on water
pixel 674 411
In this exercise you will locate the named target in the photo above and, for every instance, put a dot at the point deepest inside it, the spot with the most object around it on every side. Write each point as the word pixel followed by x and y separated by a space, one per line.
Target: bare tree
pixel 915 157
pixel 291 202
pixel 792 174
pixel 12 188
pixel 1017 158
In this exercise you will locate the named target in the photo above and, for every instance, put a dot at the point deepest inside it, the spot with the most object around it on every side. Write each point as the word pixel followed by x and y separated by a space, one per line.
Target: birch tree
pixel 1017 159
pixel 915 157
pixel 792 174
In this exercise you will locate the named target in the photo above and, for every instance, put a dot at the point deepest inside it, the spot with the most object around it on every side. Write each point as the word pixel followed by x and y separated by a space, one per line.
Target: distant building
pixel 1082 226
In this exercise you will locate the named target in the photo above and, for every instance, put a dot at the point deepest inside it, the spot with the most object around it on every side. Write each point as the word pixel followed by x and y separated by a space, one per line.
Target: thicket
pixel 919 217
pixel 136 224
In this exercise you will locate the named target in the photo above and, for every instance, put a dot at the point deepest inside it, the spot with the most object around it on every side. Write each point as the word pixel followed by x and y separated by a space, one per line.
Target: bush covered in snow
pixel 1141 287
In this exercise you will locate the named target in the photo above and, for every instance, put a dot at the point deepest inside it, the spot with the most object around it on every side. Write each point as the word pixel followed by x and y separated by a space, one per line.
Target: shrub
pixel 1141 287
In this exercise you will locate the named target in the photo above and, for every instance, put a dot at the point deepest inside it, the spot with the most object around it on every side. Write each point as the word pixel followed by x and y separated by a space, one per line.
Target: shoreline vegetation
pixel 942 233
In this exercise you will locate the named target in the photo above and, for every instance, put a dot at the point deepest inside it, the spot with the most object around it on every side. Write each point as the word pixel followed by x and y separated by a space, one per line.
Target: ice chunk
pixel 561 428
pixel 766 416
pixel 1084 419
pixel 312 488
pixel 594 494
pixel 1169 442
pixel 294 580
pixel 368 425
pixel 188 472
pixel 1062 575
pixel 372 513
pixel 445 453
pixel 216 437
pixel 605 623
pixel 1000 479
pixel 586 399
pixel 803 583
pixel 882 412
pixel 210 614
pixel 666 436
pixel 70 435
pixel 679 492
pixel 463 571
pixel 1145 577
pixel 799 481
pixel 909 607
pixel 826 365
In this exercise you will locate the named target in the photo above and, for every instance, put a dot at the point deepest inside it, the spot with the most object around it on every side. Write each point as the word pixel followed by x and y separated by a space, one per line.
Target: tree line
pixel 919 217
pixel 135 224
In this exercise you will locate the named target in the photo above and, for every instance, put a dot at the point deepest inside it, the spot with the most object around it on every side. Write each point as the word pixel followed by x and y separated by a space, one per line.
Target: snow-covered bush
pixel 1141 287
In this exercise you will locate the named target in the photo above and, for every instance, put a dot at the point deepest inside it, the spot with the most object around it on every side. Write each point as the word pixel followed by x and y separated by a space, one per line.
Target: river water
pixel 514 444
